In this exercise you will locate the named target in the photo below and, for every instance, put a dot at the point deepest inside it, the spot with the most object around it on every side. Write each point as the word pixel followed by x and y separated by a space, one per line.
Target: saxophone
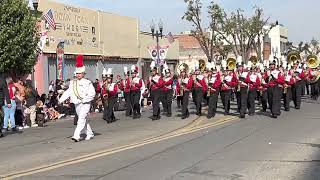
pixel 181 86
pixel 105 96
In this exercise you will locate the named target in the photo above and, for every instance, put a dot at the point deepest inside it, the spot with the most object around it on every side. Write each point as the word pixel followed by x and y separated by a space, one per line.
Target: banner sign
pixel 60 61
pixel 163 50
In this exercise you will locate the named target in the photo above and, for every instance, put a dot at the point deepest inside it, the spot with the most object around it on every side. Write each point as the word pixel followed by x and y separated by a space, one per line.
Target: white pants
pixel 83 124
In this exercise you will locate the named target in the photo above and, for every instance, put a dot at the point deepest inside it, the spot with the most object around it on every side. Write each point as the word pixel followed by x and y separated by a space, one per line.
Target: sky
pixel 299 16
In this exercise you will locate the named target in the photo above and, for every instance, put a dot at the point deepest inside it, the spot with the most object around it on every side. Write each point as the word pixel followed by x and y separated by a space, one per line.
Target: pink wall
pixel 39 75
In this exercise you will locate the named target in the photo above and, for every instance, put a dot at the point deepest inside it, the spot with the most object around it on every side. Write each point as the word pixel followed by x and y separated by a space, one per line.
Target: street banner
pixel 163 50
pixel 60 61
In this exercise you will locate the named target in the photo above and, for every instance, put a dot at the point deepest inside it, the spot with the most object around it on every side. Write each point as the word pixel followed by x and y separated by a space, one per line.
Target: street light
pixel 35 4
pixel 157 33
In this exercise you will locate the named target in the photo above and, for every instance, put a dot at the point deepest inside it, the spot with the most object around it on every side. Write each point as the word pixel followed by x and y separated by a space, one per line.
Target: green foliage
pixel 18 38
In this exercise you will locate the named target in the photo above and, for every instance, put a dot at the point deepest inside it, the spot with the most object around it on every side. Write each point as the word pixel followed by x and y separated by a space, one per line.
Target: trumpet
pixel 105 96
pixel 181 87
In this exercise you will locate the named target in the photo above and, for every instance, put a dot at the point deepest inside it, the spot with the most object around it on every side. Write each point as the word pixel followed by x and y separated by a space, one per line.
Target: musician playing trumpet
pixel 109 94
pixel 155 85
pixel 275 80
pixel 184 86
pixel 213 80
pixel 124 85
pixel 287 89
pixel 297 88
pixel 167 91
pixel 200 87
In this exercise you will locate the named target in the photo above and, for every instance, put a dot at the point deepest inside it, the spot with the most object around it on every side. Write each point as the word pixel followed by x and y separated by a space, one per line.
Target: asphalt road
pixel 257 147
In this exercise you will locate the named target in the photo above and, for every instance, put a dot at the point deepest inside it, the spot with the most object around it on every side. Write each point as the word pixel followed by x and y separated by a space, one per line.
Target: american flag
pixel 49 18
pixel 170 38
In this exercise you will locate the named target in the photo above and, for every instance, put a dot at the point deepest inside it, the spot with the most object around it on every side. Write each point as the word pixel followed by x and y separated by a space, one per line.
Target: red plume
pixel 79 61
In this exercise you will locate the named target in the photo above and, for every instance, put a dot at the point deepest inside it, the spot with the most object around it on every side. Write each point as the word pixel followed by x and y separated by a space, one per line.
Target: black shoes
pixel 155 118
pixel 297 107
pixel 242 116
pixel 274 116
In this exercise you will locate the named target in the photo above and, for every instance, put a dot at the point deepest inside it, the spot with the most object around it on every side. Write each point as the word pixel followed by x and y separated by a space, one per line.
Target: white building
pixel 277 41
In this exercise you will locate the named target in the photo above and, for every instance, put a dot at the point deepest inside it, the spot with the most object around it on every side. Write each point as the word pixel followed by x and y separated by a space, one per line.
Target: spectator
pixel 4 94
pixel 51 86
pixel 9 111
pixel 31 100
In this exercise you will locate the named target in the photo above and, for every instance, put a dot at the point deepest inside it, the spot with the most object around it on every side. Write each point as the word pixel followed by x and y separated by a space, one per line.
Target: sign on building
pixel 159 59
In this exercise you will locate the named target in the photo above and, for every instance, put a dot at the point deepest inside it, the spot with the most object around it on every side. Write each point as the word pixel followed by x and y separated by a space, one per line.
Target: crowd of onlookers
pixel 29 109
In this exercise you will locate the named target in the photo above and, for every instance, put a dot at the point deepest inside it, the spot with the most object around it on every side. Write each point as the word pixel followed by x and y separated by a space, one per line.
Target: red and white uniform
pixel 111 90
pixel 125 85
pixel 187 82
pixel 301 74
pixel 167 83
pixel 200 82
pixel 289 79
pixel 246 76
pixel 254 81
pixel 155 82
pixel 136 84
pixel 278 78
pixel 229 82
pixel 214 82
pixel 312 73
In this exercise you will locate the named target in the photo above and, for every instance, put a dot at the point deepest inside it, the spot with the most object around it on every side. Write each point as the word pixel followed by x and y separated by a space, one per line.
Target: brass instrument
pixel 183 66
pixel 105 96
pixel 293 57
pixel 254 60
pixel 209 87
pixel 312 61
pixel 316 77
pixel 202 65
pixel 231 63
pixel 181 86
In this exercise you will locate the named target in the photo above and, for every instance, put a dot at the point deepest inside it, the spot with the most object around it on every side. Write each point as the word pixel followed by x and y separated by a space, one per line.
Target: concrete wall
pixel 91 32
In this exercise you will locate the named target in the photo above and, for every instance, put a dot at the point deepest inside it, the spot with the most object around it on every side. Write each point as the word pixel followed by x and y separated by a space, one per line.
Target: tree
pixel 18 38
pixel 206 37
pixel 240 33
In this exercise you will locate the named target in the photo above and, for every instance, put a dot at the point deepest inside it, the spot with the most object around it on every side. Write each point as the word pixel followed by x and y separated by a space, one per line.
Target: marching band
pixel 268 83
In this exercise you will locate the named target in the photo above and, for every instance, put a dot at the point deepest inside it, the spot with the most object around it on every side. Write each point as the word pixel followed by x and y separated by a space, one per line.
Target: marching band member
pixel 199 86
pixel 213 81
pixel 109 95
pixel 81 92
pixel 155 84
pixel 263 88
pixel 229 82
pixel 124 85
pixel 287 91
pixel 298 87
pixel 254 83
pixel 242 89
pixel 312 78
pixel 167 90
pixel 184 86
pixel 275 79
pixel 135 92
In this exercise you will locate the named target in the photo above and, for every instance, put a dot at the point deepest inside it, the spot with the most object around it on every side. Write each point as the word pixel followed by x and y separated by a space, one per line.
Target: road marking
pixel 182 131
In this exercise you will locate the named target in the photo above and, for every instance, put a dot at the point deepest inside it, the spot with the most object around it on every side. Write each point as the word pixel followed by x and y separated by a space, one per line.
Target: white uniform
pixel 81 93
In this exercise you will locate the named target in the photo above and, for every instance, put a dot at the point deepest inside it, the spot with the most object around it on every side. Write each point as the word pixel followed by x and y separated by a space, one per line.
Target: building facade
pixel 105 39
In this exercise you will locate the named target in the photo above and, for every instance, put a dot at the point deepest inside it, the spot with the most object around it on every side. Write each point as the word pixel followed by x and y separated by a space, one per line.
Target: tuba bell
pixel 293 57
pixel 231 63
pixel 202 65
pixel 312 61
pixel 182 67
pixel 254 60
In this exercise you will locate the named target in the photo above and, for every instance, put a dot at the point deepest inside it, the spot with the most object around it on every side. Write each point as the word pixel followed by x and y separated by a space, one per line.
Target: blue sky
pixel 300 16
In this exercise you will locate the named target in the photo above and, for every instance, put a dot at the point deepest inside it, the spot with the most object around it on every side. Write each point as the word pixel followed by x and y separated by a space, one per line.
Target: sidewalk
pixel 34 147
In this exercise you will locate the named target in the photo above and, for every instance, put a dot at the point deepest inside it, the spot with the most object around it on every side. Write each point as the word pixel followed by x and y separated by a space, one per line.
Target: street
pixel 257 147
